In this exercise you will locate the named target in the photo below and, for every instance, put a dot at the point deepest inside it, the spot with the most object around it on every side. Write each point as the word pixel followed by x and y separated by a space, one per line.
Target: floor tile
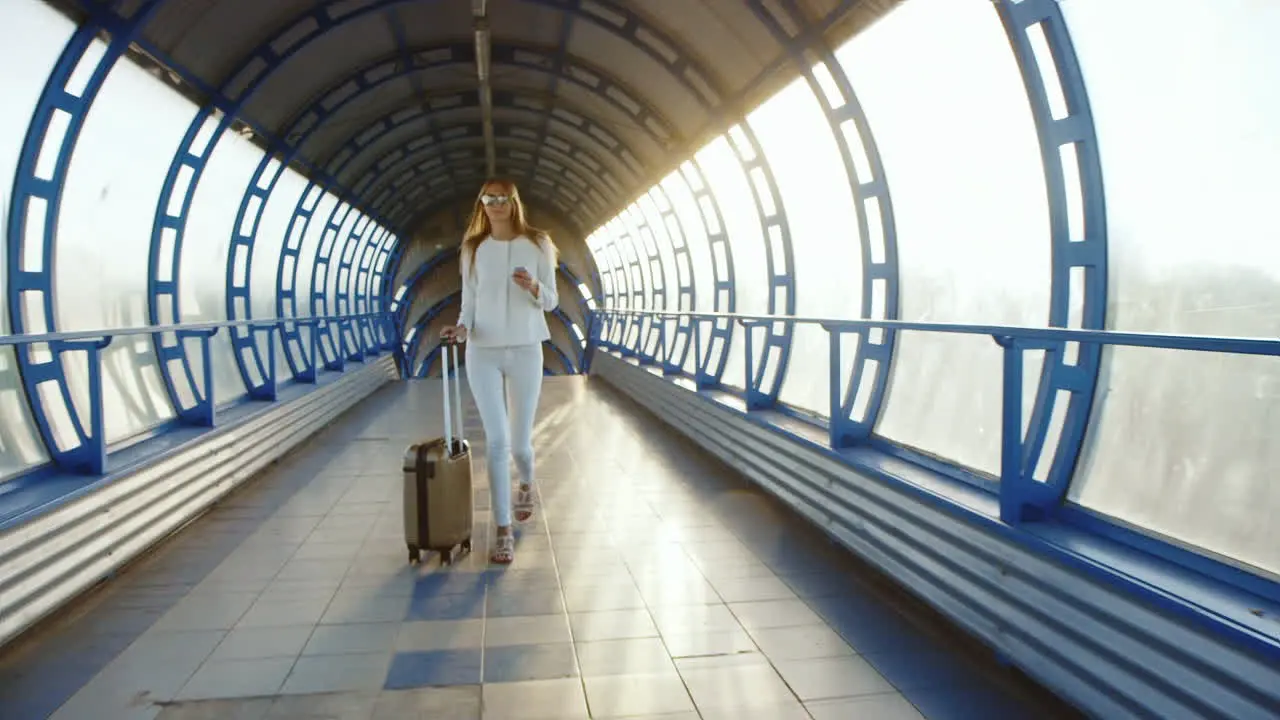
pixel 674 620
pixel 802 642
pixel 277 613
pixel 642 656
pixel 343 705
pixel 887 706
pixel 734 683
pixel 439 635
pixel 774 613
pixel 614 696
pixel 237 678
pixel 607 596
pixel 352 638
pixel 506 602
pixel 445 607
pixel 612 625
pixel 268 642
pixel 530 630
pixel 434 703
pixel 535 700
pixel 434 667
pixel 662 571
pixel 327 673
pixel 834 677
pixel 347 608
pixel 529 662
pixel 709 643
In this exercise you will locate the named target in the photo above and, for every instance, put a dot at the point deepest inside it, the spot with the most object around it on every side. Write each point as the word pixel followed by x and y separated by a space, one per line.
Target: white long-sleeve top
pixel 495 310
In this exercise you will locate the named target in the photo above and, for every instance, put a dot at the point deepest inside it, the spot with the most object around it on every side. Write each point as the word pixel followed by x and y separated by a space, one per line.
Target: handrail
pixel 91 458
pixel 260 324
pixel 1021 496
pixel 1055 336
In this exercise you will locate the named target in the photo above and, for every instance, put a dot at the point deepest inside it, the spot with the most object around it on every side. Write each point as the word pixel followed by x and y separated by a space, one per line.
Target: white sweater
pixel 495 310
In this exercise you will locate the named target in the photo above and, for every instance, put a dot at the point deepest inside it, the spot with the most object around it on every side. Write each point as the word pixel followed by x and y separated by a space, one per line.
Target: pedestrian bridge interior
pixel 914 358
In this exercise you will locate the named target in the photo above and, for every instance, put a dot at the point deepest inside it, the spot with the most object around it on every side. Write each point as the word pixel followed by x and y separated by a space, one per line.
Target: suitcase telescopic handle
pixel 457 399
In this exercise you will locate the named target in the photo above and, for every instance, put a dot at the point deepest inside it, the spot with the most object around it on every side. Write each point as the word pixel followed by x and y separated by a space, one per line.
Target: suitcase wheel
pixel 466 545
pixel 446 557
pixel 415 554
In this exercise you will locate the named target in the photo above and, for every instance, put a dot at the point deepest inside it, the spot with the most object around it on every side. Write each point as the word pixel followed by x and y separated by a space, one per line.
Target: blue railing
pixel 1021 497
pixel 92 457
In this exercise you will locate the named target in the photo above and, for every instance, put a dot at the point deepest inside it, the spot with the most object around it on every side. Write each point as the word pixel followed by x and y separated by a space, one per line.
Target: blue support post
pixel 204 412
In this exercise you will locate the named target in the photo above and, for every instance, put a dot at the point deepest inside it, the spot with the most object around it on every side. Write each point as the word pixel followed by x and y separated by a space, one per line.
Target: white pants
pixel 521 367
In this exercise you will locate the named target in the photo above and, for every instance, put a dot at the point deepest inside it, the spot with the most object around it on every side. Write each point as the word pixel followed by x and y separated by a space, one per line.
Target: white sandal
pixel 504 550
pixel 524 503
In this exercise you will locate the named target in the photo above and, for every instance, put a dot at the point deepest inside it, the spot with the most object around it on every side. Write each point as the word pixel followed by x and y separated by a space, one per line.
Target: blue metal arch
pixel 185 171
pixel 568 323
pixel 37 199
pixel 764 384
pixel 879 263
pixel 308 201
pixel 330 102
pixel 657 275
pixel 320 272
pixel 677 350
pixel 401 193
pixel 712 361
pixel 1061 373
pixel 412 344
pixel 446 197
pixel 320 265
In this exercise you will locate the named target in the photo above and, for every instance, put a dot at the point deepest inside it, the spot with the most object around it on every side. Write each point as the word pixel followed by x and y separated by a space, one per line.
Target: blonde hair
pixel 479 227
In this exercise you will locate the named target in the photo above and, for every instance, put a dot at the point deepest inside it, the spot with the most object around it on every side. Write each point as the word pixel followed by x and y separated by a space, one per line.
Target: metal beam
pixel 479 10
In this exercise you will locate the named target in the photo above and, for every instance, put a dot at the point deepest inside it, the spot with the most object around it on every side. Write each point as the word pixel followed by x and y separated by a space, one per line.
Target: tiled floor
pixel 651 584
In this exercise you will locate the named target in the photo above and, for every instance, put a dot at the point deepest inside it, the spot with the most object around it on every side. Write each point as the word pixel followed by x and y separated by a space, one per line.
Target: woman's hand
pixel 453 333
pixel 525 281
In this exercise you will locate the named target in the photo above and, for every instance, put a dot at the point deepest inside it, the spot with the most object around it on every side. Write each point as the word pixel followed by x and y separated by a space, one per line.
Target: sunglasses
pixel 488 199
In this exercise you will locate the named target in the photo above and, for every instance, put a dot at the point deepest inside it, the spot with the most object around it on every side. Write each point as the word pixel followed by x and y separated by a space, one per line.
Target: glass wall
pixel 102 241
pixel 1186 117
pixel 960 152
pixel 801 150
pixel 38 35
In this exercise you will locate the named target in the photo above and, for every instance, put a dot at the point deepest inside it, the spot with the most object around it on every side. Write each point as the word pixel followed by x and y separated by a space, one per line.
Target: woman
pixel 508 286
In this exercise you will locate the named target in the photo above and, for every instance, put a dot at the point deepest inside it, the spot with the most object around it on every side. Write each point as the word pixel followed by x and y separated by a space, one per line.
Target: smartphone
pixel 519 268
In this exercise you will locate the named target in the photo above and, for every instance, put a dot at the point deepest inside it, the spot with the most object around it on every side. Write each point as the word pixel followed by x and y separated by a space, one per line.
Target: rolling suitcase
pixel 438 500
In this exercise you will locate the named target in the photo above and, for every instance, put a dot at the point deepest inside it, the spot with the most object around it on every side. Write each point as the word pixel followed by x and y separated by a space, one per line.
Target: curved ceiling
pixel 411 103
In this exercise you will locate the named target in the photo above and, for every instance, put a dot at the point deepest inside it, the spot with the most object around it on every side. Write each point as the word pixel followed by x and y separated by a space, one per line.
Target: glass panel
pixel 802 152
pixel 104 241
pixel 732 190
pixel 1183 443
pixel 38 35
pixel 204 255
pixel 666 255
pixel 695 235
pixel 267 246
pixel 969 198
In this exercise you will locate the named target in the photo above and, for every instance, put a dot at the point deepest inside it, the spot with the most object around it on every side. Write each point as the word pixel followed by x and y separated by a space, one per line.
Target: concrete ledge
pixel 53 557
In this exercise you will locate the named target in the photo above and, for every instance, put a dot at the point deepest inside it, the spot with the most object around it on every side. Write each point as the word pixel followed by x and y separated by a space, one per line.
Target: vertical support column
pixel 31 231
pixel 1059 103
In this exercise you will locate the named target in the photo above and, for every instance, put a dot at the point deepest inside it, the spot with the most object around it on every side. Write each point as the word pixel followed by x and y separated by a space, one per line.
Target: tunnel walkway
pixel 653 582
